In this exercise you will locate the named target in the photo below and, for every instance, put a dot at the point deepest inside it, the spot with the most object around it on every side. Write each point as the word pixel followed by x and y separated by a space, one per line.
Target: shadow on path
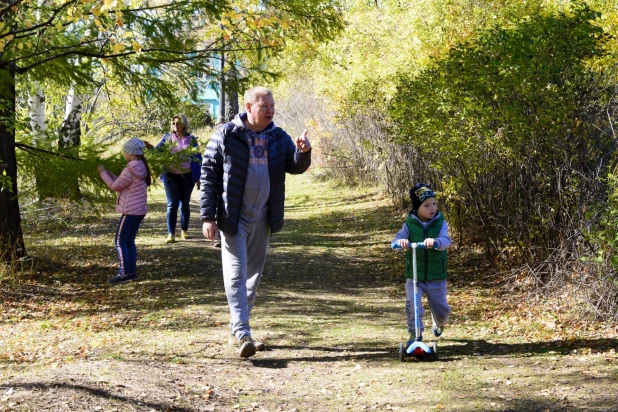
pixel 96 395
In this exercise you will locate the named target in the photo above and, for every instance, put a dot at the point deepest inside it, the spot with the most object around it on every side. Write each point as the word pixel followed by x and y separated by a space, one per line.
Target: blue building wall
pixel 210 96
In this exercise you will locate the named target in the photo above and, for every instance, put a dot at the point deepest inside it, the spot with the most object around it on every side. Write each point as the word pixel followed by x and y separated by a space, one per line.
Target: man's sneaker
pixel 437 330
pixel 246 347
pixel 118 279
pixel 170 239
pixel 184 234
pixel 259 346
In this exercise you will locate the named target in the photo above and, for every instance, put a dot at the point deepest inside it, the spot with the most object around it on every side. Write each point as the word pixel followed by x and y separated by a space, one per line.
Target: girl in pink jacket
pixel 131 186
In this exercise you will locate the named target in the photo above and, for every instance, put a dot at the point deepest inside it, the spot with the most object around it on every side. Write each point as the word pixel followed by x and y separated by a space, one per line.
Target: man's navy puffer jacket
pixel 224 169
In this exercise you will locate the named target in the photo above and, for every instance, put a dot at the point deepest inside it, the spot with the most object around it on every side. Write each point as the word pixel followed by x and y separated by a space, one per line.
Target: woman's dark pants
pixel 178 190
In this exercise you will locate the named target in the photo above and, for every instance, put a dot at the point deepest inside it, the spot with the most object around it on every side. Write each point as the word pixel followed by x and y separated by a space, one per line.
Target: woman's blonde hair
pixel 183 119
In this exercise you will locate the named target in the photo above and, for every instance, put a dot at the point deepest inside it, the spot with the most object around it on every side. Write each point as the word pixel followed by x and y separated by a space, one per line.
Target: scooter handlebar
pixel 410 246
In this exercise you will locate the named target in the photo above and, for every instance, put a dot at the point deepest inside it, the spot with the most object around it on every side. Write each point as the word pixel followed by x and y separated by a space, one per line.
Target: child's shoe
pixel 413 339
pixel 170 239
pixel 184 234
pixel 437 330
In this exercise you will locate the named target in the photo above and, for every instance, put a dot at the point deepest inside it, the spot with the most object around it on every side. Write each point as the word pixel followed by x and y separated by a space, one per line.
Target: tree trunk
pixel 222 118
pixel 36 107
pixel 70 131
pixel 69 139
pixel 231 93
pixel 36 110
pixel 11 237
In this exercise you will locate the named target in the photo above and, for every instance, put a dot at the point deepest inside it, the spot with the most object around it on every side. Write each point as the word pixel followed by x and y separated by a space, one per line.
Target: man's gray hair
pixel 253 93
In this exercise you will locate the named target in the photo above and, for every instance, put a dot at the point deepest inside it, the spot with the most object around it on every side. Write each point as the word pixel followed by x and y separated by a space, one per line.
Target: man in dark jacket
pixel 242 196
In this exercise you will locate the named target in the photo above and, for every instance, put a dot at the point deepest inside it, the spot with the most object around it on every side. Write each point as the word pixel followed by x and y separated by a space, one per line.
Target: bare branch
pixel 40 25
pixel 49 152
pixel 188 55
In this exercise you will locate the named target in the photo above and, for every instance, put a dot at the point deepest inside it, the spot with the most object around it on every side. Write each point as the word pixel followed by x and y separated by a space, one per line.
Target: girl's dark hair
pixel 148 174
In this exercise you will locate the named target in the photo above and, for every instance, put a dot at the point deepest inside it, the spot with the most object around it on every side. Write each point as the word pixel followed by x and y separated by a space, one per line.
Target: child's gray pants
pixel 243 256
pixel 435 291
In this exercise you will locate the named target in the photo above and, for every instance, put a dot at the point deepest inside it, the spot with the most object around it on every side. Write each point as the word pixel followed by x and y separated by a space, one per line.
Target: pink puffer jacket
pixel 131 187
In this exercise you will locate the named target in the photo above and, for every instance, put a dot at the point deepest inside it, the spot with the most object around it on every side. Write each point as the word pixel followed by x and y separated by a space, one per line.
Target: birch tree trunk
pixel 36 110
pixel 11 236
pixel 36 107
pixel 69 137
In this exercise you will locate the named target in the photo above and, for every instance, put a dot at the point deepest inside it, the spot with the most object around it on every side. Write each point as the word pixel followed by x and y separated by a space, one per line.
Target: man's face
pixel 261 112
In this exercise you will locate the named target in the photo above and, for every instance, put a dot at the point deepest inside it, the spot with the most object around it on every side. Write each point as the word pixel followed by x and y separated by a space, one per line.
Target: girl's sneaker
pixel 184 234
pixel 170 239
pixel 118 279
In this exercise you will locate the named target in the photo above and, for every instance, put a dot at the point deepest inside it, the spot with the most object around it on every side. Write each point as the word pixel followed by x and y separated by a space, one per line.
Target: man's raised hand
pixel 302 143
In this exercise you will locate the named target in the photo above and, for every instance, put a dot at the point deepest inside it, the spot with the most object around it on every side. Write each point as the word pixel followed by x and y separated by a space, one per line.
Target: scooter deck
pixel 418 350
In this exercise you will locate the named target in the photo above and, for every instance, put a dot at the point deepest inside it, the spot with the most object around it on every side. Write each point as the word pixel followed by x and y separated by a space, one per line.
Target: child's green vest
pixel 431 264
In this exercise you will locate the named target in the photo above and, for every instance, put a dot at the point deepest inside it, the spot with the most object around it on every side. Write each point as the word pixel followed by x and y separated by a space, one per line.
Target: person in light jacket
pixel 179 181
pixel 131 186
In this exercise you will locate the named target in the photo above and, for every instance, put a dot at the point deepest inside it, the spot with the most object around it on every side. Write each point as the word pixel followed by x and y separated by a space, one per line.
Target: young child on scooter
pixel 425 224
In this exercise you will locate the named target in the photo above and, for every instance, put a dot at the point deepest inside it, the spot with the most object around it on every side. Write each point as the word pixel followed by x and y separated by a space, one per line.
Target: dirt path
pixel 330 309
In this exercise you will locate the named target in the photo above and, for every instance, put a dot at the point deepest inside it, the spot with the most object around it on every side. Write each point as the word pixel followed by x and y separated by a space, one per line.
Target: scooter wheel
pixel 402 351
pixel 434 347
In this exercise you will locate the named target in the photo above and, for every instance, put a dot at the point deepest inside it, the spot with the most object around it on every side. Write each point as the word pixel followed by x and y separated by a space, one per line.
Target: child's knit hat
pixel 134 146
pixel 419 193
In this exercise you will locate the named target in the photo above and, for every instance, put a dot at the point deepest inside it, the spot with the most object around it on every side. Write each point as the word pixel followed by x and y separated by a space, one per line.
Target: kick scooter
pixel 417 349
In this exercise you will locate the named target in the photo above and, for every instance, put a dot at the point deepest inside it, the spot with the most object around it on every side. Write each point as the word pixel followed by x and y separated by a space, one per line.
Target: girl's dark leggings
pixel 125 243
